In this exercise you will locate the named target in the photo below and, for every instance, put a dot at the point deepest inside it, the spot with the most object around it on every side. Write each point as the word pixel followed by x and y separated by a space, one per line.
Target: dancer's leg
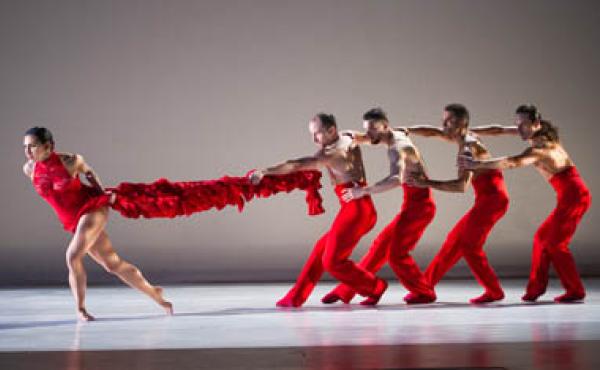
pixel 551 244
pixel 448 255
pixel 376 256
pixel 104 254
pixel 308 278
pixel 89 227
pixel 566 220
pixel 482 218
pixel 354 220
pixel 540 264
pixel 409 229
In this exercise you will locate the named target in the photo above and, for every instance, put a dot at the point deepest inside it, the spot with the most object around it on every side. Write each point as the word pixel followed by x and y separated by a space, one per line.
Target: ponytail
pixel 548 131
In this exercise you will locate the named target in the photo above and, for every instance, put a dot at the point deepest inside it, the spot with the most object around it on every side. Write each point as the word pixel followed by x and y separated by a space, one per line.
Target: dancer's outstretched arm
pixel 528 157
pixel 495 130
pixel 293 165
pixel 426 130
pixel 358 137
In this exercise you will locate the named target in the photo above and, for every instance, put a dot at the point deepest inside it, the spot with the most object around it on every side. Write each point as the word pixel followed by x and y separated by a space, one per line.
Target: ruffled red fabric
pixel 166 199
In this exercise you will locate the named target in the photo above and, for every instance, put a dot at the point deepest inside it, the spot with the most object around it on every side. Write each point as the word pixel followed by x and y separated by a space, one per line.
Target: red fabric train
pixel 170 199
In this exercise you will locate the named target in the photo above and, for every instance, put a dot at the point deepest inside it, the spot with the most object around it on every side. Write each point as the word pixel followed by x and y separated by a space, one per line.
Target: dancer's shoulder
pixel 28 168
pixel 67 157
pixel 401 139
pixel 72 161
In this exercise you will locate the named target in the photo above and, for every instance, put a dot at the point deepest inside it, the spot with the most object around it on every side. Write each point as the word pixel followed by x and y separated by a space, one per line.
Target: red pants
pixel 331 252
pixel 467 238
pixel 551 241
pixel 396 241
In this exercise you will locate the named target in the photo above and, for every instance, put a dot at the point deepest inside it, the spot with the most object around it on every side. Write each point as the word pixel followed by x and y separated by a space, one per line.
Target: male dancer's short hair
pixel 530 111
pixel 327 120
pixel 375 115
pixel 459 111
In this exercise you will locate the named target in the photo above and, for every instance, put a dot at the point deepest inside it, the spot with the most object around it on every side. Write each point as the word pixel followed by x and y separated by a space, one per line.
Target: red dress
pixel 66 194
pixel 163 199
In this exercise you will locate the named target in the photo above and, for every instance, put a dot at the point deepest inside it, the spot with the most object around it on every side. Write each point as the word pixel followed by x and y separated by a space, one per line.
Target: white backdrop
pixel 193 90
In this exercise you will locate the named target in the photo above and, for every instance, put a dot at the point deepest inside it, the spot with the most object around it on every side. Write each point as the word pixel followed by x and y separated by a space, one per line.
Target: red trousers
pixel 551 241
pixel 331 252
pixel 395 242
pixel 467 238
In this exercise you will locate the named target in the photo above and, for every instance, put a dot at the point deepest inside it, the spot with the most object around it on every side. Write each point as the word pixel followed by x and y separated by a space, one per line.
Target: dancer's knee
pixel 75 252
pixel 73 259
pixel 332 262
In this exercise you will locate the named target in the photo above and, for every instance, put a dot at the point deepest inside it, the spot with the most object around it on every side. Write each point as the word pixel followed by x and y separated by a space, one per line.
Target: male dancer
pixel 401 235
pixel 342 158
pixel 551 241
pixel 467 238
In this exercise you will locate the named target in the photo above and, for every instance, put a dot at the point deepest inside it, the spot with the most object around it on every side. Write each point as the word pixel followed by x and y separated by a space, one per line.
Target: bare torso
pixel 552 158
pixel 470 145
pixel 343 160
pixel 404 156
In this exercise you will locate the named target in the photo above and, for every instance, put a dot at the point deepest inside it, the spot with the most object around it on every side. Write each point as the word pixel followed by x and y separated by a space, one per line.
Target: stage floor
pixel 237 326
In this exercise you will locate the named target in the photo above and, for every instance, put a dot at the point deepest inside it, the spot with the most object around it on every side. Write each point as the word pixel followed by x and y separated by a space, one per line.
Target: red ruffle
pixel 94 202
pixel 170 199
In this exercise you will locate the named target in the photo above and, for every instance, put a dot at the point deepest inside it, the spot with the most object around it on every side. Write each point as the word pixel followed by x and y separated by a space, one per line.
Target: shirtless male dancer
pixel 467 238
pixel 341 156
pixel 400 236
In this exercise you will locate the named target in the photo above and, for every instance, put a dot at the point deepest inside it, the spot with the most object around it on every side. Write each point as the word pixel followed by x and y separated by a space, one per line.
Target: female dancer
pixel 83 210
pixel 551 241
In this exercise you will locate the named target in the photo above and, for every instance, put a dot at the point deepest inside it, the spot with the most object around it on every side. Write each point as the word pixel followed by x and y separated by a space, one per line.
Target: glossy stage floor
pixel 238 327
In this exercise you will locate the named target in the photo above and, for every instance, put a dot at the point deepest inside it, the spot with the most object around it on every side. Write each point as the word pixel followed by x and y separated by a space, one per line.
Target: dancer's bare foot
pixel 168 306
pixel 83 315
pixel 158 297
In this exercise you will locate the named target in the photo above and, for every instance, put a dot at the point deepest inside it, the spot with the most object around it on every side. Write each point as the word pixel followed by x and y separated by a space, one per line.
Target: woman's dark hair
pixel 548 131
pixel 530 111
pixel 375 115
pixel 41 134
pixel 327 120
pixel 458 110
